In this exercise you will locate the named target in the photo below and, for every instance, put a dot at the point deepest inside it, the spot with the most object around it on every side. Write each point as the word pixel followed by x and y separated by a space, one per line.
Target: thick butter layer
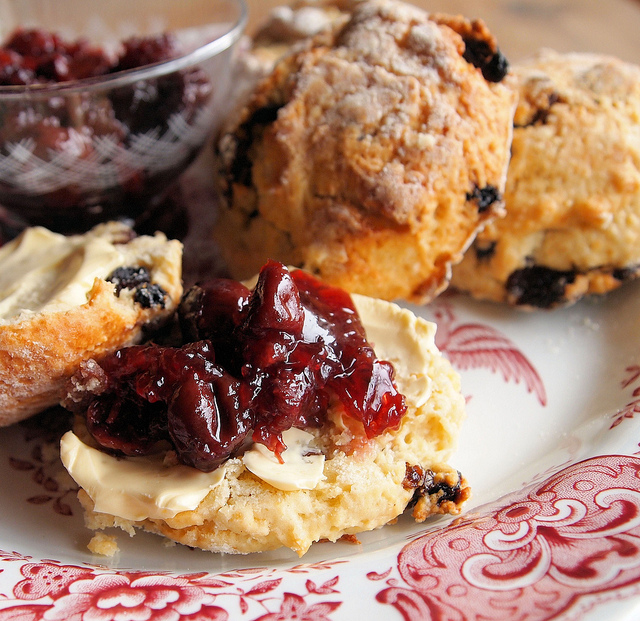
pixel 136 488
pixel 300 469
pixel 42 271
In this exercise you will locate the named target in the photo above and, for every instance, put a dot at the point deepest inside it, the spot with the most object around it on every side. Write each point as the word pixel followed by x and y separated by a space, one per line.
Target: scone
pixel 372 153
pixel 307 461
pixel 573 187
pixel 66 299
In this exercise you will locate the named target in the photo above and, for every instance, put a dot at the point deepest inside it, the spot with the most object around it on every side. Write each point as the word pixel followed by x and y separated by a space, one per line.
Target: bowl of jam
pixel 102 107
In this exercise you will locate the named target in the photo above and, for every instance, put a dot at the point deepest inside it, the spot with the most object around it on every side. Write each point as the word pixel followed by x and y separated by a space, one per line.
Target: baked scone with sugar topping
pixel 572 198
pixel 285 27
pixel 66 299
pixel 337 438
pixel 372 154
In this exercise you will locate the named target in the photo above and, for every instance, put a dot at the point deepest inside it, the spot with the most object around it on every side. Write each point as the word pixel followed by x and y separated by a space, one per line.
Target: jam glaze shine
pixel 252 365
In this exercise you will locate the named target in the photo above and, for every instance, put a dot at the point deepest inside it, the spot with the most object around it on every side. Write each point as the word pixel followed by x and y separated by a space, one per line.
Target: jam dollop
pixel 253 364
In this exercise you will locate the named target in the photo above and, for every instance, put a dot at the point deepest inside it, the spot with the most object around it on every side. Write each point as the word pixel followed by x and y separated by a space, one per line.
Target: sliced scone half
pixel 67 299
pixel 296 429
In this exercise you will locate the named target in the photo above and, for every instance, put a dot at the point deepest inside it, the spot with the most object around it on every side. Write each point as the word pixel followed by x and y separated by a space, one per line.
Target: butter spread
pixel 43 271
pixel 137 488
pixel 302 469
pixel 402 338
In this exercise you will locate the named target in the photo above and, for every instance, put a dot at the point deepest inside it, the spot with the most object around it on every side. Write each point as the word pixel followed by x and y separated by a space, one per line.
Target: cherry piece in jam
pixel 176 395
pixel 32 56
pixel 254 365
pixel 35 56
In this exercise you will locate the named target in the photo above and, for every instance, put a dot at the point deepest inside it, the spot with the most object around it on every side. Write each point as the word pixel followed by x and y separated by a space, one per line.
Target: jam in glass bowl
pixel 103 105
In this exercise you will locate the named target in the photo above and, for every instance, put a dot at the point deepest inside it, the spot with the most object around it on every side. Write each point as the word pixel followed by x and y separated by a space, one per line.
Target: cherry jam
pixel 92 130
pixel 35 56
pixel 254 364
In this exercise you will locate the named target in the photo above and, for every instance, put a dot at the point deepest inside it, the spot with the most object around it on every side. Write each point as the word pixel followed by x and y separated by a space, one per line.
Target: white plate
pixel 550 448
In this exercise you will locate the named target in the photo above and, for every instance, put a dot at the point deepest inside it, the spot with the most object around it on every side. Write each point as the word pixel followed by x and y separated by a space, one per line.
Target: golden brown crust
pixel 40 352
pixel 573 188
pixel 359 156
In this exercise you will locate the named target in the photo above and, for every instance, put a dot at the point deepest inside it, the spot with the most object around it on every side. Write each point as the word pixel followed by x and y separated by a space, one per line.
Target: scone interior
pixel 572 224
pixel 66 299
pixel 372 154
pixel 336 479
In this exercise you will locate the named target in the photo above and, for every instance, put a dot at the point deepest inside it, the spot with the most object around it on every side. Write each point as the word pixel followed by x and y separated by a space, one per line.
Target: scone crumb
pixel 103 544
pixel 346 538
pixel 350 539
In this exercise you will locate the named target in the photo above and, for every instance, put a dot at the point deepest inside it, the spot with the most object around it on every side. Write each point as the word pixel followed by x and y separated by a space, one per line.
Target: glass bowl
pixel 80 151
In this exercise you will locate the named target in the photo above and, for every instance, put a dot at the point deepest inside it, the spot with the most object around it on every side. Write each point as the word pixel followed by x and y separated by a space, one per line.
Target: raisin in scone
pixel 573 187
pixel 372 153
pixel 302 432
pixel 66 299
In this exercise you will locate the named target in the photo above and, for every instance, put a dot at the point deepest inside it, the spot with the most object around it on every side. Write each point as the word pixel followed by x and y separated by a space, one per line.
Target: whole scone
pixel 66 299
pixel 372 154
pixel 573 187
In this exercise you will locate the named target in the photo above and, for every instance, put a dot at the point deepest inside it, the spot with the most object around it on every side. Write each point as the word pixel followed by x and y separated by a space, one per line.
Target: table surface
pixel 524 26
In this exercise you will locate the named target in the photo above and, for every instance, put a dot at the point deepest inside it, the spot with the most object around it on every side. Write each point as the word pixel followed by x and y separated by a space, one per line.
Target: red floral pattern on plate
pixel 533 556
pixel 43 461
pixel 119 596
pixel 632 379
pixel 475 345
pixel 69 592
